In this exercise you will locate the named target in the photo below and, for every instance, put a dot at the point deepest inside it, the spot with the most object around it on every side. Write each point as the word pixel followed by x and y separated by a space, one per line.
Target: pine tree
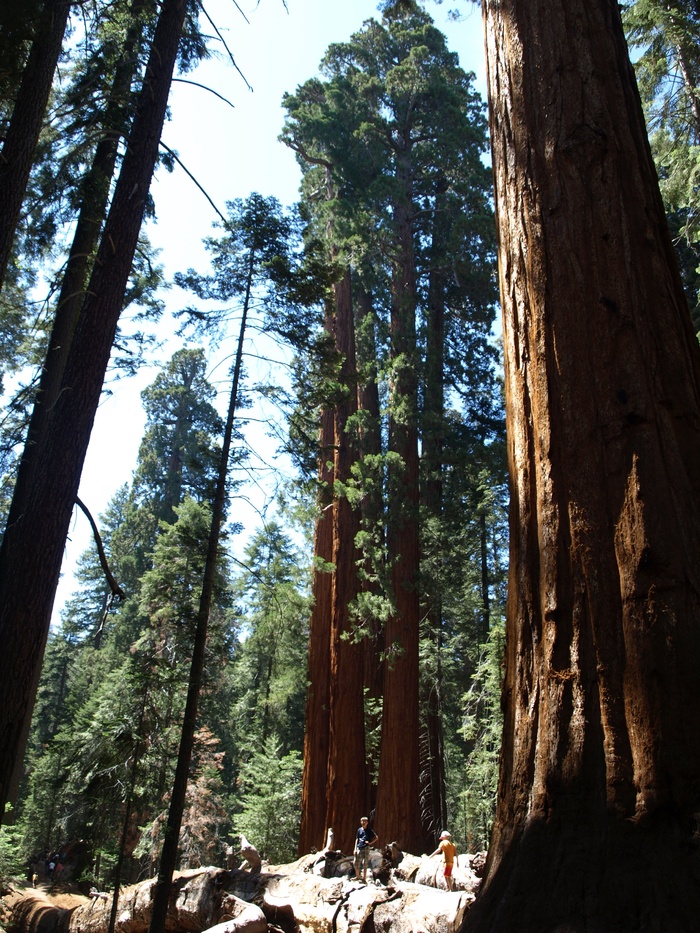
pixel 33 542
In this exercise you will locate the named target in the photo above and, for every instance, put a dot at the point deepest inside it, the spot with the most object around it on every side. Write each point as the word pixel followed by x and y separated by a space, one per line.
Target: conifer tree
pixel 389 126
pixel 33 543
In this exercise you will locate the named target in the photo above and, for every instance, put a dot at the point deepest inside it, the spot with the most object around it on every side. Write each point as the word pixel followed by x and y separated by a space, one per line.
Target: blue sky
pixel 232 151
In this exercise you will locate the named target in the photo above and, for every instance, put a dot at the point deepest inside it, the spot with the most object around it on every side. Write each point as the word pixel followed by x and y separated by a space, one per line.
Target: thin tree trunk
pixel 32 547
pixel 485 627
pixel 398 814
pixel 171 835
pixel 346 783
pixel 432 767
pixel 600 767
pixel 17 155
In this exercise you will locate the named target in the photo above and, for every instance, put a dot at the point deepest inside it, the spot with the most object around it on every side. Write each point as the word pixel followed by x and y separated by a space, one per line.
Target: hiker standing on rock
pixel 364 839
pixel 449 850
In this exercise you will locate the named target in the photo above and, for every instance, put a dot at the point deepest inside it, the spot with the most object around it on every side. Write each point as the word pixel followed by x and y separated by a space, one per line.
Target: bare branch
pixel 189 173
pixel 224 43
pixel 205 87
pixel 113 585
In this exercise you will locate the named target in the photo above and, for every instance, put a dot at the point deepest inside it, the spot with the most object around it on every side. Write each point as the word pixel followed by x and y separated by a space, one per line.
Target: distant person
pixel 449 851
pixel 363 840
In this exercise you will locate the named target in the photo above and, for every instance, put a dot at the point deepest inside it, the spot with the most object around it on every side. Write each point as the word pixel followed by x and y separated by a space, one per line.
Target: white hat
pixel 445 835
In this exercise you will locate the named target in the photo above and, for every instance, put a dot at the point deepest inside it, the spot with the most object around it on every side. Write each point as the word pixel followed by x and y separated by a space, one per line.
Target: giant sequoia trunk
pixel 596 826
pixel 398 815
pixel 346 754
pixel 32 548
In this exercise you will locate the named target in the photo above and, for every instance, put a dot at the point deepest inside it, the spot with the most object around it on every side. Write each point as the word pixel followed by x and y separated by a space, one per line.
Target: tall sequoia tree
pixel 398 130
pixel 596 825
pixel 32 548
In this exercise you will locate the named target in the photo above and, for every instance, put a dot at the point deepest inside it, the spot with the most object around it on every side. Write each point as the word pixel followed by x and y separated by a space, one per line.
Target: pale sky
pixel 232 152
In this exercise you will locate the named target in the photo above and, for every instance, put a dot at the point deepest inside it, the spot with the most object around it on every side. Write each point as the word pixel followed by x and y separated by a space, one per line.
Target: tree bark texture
pixel 398 815
pixel 17 155
pixel 32 548
pixel 346 785
pixel 596 825
pixel 312 831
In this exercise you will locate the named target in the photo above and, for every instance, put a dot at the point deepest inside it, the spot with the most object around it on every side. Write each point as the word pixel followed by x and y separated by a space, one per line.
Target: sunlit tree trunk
pixel 597 815
pixel 398 816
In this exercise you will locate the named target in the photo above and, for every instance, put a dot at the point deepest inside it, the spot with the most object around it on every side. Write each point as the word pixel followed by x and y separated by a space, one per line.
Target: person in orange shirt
pixel 449 850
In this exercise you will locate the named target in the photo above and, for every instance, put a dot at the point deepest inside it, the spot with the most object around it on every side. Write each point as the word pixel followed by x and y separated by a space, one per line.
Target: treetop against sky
pixel 232 149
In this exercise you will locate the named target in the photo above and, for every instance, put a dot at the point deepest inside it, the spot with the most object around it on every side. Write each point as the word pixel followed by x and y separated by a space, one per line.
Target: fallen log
pixel 287 897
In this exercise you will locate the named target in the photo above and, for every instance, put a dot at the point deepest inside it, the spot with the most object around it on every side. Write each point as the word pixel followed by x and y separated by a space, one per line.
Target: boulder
pixel 430 872
pixel 246 918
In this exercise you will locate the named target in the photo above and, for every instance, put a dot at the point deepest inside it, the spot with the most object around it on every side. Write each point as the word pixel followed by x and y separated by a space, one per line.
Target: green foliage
pixel 268 674
pixel 665 38
pixel 270 794
pixel 12 864
pixel 475 805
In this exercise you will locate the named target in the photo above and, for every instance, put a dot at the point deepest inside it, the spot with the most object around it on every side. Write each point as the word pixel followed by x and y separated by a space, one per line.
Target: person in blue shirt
pixel 364 839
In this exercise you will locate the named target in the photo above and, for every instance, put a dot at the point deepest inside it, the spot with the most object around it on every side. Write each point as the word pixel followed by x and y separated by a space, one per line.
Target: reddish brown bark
pixel 600 774
pixel 398 815
pixel 346 754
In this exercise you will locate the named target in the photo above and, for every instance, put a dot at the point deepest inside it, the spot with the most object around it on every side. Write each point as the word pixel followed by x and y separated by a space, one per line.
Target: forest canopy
pixel 344 651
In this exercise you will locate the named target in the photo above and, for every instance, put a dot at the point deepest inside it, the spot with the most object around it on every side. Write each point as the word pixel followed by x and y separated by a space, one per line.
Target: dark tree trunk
pixel 22 136
pixel 432 766
pixel 346 755
pixel 317 724
pixel 32 548
pixel 398 814
pixel 94 198
pixel 596 824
